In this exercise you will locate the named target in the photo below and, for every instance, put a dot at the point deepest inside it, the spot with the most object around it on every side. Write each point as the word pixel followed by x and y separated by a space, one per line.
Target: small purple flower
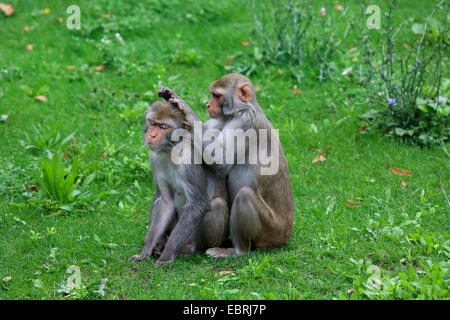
pixel 394 40
pixel 418 62
pixel 391 102
pixel 381 75
pixel 396 87
pixel 388 59
pixel 393 52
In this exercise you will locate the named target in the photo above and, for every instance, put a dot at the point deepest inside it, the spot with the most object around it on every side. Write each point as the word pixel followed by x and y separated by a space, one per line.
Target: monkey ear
pixel 244 92
pixel 186 125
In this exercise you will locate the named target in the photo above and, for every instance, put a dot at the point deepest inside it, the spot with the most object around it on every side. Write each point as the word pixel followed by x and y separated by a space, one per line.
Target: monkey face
pixel 155 133
pixel 214 106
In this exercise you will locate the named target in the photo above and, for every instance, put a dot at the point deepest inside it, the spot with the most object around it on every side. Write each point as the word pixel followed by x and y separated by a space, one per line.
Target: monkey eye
pixel 153 123
pixel 217 95
pixel 163 126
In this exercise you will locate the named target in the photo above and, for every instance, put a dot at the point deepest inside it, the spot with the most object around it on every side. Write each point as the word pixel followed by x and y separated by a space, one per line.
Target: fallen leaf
pixel 6 279
pixel 404 185
pixel 319 158
pixel 245 43
pixel 339 7
pixel 362 128
pixel 297 91
pixel 406 46
pixel 401 172
pixel 66 155
pixel 70 67
pixel 41 98
pixel 26 28
pixel 60 20
pixel 221 273
pixel 352 204
pixel 230 58
pixel 280 72
pixel 33 187
pixel 7 9
pixel 29 47
pixel 100 67
pixel 106 15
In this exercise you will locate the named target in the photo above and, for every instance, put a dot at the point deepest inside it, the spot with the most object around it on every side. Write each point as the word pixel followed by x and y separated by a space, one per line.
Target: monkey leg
pixel 161 217
pixel 213 229
pixel 251 222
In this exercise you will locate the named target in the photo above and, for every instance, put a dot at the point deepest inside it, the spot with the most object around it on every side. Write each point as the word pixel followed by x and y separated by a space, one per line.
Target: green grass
pixel 320 261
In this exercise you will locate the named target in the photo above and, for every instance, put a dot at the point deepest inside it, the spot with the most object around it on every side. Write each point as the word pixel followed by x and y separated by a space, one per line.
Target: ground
pixel 352 211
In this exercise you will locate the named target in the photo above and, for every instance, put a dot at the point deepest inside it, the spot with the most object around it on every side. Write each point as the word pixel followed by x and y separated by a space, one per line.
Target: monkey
pixel 262 205
pixel 189 211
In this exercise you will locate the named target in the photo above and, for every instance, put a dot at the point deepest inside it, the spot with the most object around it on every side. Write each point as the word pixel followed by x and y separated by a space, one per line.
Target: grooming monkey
pixel 190 202
pixel 262 206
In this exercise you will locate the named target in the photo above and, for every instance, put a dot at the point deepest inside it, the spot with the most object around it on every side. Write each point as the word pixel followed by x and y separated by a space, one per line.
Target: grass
pixel 185 46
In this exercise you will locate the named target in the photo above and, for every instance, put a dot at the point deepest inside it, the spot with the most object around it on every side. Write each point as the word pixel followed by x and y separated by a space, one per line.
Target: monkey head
pixel 230 93
pixel 161 118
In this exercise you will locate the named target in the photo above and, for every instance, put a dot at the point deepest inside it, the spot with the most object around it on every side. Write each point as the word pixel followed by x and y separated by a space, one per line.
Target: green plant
pixel 45 138
pixel 407 89
pixel 61 184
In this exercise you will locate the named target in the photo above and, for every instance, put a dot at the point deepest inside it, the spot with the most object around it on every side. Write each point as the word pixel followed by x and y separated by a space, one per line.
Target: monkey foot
pixel 221 252
pixel 160 262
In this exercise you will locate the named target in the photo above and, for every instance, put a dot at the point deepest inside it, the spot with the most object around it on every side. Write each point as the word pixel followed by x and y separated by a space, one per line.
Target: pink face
pixel 156 132
pixel 214 106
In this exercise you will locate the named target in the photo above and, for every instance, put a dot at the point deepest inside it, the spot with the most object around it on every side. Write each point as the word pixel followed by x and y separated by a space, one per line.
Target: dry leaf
pixel 70 67
pixel 317 159
pixel 245 43
pixel 106 15
pixel 221 273
pixel 339 7
pixel 362 128
pixel 7 9
pixel 33 187
pixel 404 185
pixel 26 28
pixel 280 72
pixel 297 91
pixel 6 279
pixel 406 46
pixel 66 155
pixel 29 47
pixel 100 67
pixel 352 204
pixel 230 58
pixel 60 20
pixel 401 172
pixel 41 98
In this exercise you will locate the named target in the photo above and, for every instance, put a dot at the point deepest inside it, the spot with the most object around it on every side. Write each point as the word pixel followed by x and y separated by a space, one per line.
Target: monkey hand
pixel 166 93
pixel 139 257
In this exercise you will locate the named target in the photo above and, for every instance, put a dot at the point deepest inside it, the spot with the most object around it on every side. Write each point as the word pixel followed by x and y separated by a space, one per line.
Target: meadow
pixel 371 214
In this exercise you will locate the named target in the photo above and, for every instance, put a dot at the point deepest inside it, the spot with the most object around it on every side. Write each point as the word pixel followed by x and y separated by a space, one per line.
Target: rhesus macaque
pixel 190 202
pixel 262 206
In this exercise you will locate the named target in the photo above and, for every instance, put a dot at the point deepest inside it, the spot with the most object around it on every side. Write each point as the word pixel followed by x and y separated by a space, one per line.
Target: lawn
pixel 361 230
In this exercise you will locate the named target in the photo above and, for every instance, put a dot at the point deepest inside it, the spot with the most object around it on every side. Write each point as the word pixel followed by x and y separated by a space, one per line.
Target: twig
pixel 443 190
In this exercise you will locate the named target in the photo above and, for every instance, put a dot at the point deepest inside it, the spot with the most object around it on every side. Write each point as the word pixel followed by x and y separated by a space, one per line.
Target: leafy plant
pixel 407 89
pixel 291 34
pixel 45 138
pixel 61 184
